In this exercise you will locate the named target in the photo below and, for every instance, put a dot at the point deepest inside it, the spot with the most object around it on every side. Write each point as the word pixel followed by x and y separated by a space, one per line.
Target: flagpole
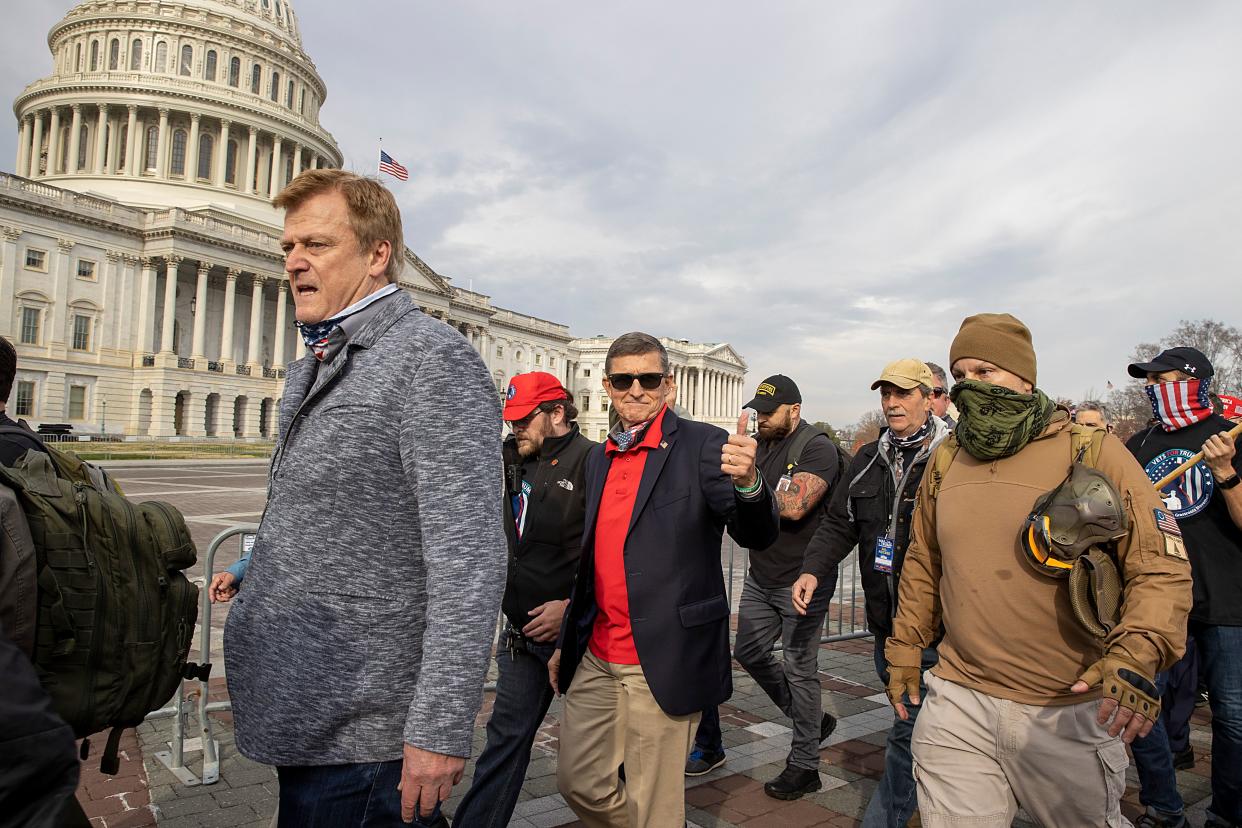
pixel 378 152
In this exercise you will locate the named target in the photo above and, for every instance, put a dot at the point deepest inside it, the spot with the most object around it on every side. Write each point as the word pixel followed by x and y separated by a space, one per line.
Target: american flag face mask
pixel 1179 404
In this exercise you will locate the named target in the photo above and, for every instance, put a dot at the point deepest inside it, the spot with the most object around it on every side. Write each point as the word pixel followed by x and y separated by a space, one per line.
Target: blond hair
pixel 373 213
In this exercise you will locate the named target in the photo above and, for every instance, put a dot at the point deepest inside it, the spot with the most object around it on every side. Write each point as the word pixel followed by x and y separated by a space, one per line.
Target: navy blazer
pixel 678 607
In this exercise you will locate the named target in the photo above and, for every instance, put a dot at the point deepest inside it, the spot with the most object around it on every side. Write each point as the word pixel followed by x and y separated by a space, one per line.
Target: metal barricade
pixel 174 757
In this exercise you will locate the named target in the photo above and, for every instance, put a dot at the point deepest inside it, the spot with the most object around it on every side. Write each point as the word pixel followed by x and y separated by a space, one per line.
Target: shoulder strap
pixel 804 436
pixel 1085 444
pixel 941 459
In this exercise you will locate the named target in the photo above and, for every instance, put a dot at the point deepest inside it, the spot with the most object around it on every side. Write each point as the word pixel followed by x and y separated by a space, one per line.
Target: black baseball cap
pixel 1190 360
pixel 773 392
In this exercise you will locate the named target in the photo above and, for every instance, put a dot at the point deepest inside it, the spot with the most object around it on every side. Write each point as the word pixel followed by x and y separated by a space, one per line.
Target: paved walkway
pixel 756 735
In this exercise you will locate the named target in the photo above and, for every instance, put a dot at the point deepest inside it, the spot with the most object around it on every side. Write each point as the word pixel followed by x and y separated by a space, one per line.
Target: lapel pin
pixel 555 460
pixel 663 444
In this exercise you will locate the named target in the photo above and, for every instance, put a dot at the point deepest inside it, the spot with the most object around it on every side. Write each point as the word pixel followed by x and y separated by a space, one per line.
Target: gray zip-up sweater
pixel 368 608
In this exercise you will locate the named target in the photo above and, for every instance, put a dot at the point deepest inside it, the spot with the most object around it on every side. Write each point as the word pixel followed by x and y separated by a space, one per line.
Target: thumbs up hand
pixel 737 456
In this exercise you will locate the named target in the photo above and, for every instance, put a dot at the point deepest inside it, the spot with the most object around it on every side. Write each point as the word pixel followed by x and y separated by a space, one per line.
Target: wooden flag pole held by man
pixel 1197 457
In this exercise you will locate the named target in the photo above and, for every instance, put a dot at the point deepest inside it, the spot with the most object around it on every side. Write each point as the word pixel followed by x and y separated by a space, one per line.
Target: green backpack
pixel 115 613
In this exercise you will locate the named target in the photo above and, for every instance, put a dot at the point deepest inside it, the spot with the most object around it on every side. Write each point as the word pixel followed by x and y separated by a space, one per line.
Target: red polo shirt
pixel 612 639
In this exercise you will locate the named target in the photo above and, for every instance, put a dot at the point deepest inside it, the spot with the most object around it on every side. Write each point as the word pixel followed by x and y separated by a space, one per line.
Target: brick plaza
pixel 218 495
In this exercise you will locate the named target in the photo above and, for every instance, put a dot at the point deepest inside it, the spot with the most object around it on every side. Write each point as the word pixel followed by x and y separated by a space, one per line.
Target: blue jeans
pixel 1153 759
pixel 895 799
pixel 344 796
pixel 1220 653
pixel 708 737
pixel 522 699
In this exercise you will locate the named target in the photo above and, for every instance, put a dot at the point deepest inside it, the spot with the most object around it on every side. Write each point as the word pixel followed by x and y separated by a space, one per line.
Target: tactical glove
pixel 905 670
pixel 1125 682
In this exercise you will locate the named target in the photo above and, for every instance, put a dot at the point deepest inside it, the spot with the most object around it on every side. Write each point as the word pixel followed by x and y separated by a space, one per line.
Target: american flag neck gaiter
pixel 1181 403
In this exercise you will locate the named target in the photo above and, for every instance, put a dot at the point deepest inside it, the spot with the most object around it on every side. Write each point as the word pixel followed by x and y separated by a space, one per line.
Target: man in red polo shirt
pixel 646 635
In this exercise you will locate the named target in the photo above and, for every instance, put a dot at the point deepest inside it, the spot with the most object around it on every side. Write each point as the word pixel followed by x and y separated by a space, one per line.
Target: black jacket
pixel 679 612
pixel 543 562
pixel 870 506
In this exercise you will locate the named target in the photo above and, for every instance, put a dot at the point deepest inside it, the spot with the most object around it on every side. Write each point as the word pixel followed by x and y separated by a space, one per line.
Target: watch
pixel 1229 482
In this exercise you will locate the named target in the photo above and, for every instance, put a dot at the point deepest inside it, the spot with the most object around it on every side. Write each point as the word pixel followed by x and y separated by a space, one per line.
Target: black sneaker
pixel 793 783
pixel 1184 759
pixel 701 762
pixel 826 726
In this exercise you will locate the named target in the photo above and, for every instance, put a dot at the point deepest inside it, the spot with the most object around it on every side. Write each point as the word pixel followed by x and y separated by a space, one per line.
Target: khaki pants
pixel 977 757
pixel 610 717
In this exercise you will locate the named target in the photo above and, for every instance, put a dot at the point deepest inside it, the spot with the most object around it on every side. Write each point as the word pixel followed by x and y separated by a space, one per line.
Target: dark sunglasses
pixel 938 392
pixel 624 382
pixel 527 420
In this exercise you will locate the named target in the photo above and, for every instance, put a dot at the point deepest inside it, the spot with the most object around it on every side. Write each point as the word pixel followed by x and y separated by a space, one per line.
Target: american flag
pixel 1165 523
pixel 389 165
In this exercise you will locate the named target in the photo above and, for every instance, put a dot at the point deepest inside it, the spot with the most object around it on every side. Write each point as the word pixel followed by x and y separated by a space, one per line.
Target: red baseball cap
pixel 528 390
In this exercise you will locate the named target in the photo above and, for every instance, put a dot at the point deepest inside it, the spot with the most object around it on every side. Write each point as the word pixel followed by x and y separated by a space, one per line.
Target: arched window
pixel 230 163
pixel 152 148
pixel 135 55
pixel 288 169
pixel 161 57
pixel 209 66
pixel 77 60
pixel 302 101
pixel 65 132
pixel 114 55
pixel 94 55
pixel 122 141
pixel 256 78
pixel 205 145
pixel 83 134
pixel 187 60
pixel 234 72
pixel 178 153
pixel 275 91
pixel 289 96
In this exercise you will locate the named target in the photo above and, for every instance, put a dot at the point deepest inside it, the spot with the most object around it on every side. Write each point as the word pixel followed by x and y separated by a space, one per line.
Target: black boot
pixel 793 783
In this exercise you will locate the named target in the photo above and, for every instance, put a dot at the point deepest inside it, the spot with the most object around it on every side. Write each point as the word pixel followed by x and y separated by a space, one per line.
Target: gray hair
pixel 636 343
pixel 939 374
pixel 1092 405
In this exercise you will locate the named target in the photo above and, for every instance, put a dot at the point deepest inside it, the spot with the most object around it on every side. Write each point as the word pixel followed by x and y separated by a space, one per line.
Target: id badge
pixel 884 555
pixel 782 485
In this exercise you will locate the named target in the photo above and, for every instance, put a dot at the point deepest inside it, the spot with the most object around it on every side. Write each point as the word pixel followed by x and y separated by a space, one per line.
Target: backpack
pixel 115 614
pixel 800 441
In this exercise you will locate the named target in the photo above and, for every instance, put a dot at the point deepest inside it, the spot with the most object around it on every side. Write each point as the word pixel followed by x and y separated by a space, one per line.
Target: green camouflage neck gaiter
pixel 995 422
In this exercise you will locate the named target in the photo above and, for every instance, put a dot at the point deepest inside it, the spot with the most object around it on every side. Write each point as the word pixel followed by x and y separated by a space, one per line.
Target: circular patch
pixel 1187 495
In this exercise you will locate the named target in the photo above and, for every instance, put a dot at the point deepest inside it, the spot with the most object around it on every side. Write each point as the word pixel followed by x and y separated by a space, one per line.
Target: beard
pixel 774 431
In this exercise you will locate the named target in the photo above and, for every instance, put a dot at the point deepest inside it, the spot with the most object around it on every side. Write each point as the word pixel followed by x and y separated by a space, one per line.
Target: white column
pixel 696 403
pixel 315 161
pixel 53 142
pixel 146 307
pixel 60 292
pixel 101 139
pixel 161 152
pixel 254 353
pixel 278 342
pixel 75 139
pixel 36 146
pixel 170 303
pixel 23 146
pixel 198 348
pixel 191 154
pixel 297 160
pixel 8 275
pixel 277 167
pixel 131 141
pixel 126 289
pixel 251 151
pixel 230 309
pixel 222 153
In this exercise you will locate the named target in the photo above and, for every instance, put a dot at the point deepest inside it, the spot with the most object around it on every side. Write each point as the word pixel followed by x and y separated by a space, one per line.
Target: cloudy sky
pixel 825 186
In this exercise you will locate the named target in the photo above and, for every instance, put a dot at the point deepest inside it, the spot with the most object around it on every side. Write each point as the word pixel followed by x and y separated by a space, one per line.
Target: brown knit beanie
pixel 998 338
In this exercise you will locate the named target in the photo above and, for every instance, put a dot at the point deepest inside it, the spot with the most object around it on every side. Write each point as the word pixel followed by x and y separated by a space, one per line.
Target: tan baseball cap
pixel 907 374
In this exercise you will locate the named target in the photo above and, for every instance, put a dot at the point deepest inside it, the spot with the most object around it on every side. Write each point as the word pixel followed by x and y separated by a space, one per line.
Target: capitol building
pixel 140 276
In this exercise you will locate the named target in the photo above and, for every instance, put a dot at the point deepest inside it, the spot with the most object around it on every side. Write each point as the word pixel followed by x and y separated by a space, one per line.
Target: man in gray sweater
pixel 356 653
